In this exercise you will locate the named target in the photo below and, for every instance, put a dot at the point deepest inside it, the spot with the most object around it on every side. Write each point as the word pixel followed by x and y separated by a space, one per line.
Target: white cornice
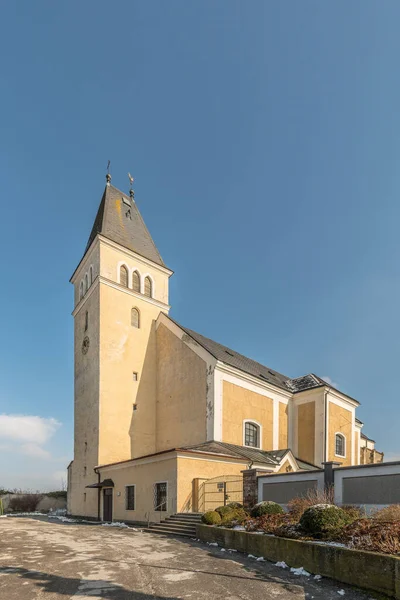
pixel 121 288
pixel 224 368
pixel 86 297
pixel 134 255
pixel 85 258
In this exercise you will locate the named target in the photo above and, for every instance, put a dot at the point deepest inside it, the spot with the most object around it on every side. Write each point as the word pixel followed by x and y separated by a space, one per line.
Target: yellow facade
pixel 145 390
pixel 340 421
pixel 306 431
pixel 240 404
pixel 181 393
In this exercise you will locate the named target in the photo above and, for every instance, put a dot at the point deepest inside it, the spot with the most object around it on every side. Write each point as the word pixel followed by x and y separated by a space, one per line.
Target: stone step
pixel 183 519
pixel 170 532
pixel 174 525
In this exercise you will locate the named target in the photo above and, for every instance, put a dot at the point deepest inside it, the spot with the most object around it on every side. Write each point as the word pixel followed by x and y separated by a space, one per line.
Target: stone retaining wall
pixel 368 570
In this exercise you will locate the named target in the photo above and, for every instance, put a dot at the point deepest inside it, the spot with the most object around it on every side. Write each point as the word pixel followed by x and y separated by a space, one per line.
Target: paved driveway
pixel 53 560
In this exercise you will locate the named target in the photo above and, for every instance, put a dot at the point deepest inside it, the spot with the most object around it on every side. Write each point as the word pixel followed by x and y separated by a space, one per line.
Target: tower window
pixel 135 376
pixel 148 287
pixel 251 434
pixel 91 275
pixel 86 283
pixel 135 318
pixel 81 291
pixel 86 320
pixel 340 445
pixel 135 281
pixel 123 276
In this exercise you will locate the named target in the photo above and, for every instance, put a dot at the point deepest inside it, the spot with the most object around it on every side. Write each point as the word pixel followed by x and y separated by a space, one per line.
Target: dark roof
pixel 254 368
pixel 365 437
pixel 118 219
pixel 359 422
pixel 234 359
pixel 253 455
pixel 105 483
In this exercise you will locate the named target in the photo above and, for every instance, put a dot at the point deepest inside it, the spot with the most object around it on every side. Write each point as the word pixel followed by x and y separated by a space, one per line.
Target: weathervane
pixel 108 176
pixel 131 192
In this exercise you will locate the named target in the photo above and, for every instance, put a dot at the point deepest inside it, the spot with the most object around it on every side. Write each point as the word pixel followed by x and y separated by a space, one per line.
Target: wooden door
pixel 107 504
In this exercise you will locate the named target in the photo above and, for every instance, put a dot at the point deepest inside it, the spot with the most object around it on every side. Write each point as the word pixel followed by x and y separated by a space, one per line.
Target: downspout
pixel 98 494
pixel 326 422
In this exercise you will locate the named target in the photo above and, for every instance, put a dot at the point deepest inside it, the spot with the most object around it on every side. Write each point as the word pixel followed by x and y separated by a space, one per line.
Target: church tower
pixel 120 288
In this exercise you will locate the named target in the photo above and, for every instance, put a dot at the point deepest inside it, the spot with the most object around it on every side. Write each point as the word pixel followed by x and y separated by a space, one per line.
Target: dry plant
pixel 297 506
pixel 389 513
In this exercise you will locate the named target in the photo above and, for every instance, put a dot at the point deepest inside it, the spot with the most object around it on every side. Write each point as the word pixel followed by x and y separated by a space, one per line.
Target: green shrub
pixel 211 518
pixel 323 519
pixel 235 505
pixel 267 508
pixel 223 510
pixel 236 516
pixel 57 494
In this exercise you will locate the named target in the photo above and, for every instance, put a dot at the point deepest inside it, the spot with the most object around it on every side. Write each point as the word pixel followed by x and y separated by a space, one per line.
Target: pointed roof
pixel 119 220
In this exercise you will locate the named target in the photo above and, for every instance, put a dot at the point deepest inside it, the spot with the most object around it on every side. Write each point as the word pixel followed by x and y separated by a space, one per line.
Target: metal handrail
pixel 154 509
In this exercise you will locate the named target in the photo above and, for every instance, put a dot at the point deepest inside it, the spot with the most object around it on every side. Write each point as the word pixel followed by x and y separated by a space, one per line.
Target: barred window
pixel 130 497
pixel 123 276
pixel 135 281
pixel 340 445
pixel 251 435
pixel 148 287
pixel 135 318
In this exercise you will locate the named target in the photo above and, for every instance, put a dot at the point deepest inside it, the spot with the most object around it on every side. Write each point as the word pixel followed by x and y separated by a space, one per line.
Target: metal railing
pixel 155 509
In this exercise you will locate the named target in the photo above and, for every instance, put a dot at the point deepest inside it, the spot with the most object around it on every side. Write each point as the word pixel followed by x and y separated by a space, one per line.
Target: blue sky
pixel 264 138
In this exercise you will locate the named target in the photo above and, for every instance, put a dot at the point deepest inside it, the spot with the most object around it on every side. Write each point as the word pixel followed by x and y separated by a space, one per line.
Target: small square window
pixel 135 407
pixel 135 376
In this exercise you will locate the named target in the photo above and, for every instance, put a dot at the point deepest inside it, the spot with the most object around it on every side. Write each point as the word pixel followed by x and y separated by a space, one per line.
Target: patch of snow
pixel 341 592
pixel 281 564
pixel 251 556
pixel 300 571
pixel 118 524
pixel 63 519
pixel 59 512
pixel 260 559
pixel 231 550
pixel 317 577
pixel 212 544
pixel 222 549
pixel 26 514
pixel 334 544
pixel 239 528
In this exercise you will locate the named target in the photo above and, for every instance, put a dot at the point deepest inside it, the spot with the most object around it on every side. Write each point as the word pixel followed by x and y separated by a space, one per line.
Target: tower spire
pixel 108 176
pixel 131 191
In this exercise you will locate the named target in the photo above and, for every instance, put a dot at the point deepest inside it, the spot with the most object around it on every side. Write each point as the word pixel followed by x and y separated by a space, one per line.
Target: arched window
pixel 148 287
pixel 91 275
pixel 135 318
pixel 340 445
pixel 86 283
pixel 135 281
pixel 251 434
pixel 81 291
pixel 123 276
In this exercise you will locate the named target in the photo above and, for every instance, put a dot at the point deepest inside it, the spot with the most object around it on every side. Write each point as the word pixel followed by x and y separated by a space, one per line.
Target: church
pixel 160 410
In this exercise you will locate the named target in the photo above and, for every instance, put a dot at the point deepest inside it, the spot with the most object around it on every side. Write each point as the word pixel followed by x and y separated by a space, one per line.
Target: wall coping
pixel 361 568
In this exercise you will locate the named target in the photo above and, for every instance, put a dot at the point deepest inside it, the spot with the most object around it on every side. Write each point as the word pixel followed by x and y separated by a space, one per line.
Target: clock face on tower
pixel 85 344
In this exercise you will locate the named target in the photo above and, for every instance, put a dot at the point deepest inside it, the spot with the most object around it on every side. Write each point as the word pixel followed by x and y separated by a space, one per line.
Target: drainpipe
pixel 326 422
pixel 98 494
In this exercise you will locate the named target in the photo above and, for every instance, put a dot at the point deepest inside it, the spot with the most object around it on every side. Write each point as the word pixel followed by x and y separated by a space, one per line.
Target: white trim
pixel 257 424
pixel 117 286
pixel 136 270
pixel 214 424
pixel 126 496
pixel 253 383
pixel 345 444
pixel 134 255
pixel 153 285
pixel 120 264
pixel 166 502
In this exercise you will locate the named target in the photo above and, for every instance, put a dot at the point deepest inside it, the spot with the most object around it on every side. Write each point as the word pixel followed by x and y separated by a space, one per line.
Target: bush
pixel 372 535
pixel 297 506
pixel 236 516
pixel 323 519
pixel 57 494
pixel 25 503
pixel 235 505
pixel 389 513
pixel 267 508
pixel 211 518
pixel 223 510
